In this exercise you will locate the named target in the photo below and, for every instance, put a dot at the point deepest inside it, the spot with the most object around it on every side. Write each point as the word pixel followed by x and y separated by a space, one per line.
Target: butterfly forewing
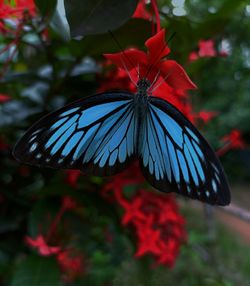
pixel 175 157
pixel 96 134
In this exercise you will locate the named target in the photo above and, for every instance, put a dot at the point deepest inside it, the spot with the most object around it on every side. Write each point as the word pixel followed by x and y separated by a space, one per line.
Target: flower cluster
pixel 153 66
pixel 168 79
pixel 70 261
pixel 158 226
pixel 16 9
pixel 233 140
pixel 13 17
pixel 72 265
pixel 206 49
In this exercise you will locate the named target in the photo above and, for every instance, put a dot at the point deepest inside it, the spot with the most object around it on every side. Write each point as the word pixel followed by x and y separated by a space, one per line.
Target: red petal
pixel 4 98
pixel 157 47
pixel 142 12
pixel 206 48
pixel 128 59
pixel 193 56
pixel 176 75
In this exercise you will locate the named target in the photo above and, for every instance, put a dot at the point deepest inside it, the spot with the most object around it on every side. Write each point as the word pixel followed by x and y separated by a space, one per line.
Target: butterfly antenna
pixel 155 79
pixel 160 83
pixel 126 69
pixel 124 55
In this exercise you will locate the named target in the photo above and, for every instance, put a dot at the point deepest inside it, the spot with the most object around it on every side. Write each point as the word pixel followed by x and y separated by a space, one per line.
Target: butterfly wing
pixel 96 134
pixel 175 157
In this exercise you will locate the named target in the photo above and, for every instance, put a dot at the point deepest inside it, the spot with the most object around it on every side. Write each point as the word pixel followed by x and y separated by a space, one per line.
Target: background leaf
pixel 46 7
pixel 37 271
pixel 97 16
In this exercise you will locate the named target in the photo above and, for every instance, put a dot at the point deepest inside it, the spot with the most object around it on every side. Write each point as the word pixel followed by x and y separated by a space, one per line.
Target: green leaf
pixel 97 16
pixel 41 216
pixel 91 46
pixel 37 271
pixel 46 7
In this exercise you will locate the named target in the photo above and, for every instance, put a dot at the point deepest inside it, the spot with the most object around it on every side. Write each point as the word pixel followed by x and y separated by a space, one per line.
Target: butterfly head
pixel 143 85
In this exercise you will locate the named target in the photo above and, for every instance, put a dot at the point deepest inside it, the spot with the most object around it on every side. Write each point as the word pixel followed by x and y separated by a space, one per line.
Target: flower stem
pixel 223 150
pixel 55 223
pixel 157 15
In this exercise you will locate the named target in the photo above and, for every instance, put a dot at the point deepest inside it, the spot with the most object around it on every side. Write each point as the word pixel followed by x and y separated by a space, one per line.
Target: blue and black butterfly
pixel 104 133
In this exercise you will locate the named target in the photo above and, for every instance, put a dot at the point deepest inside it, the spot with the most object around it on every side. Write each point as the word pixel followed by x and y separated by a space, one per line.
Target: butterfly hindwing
pixel 175 157
pixel 96 134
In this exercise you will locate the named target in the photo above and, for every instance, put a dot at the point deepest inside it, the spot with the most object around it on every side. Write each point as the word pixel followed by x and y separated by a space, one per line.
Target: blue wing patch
pixel 175 157
pixel 96 134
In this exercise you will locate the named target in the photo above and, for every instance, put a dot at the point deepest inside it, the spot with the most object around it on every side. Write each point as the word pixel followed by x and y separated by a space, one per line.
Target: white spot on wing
pixel 39 155
pixel 33 147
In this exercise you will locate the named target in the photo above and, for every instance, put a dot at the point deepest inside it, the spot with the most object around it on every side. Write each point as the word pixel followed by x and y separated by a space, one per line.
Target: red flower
pixel 223 53
pixel 206 116
pixel 72 177
pixel 156 223
pixel 133 211
pixel 141 11
pixel 7 9
pixel 206 48
pixel 116 79
pixel 71 264
pixel 193 56
pixel 68 203
pixel 4 98
pixel 152 65
pixel 169 251
pixel 234 138
pixel 148 242
pixel 40 244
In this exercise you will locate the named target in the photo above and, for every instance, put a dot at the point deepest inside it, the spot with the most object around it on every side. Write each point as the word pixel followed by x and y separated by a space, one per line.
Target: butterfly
pixel 102 134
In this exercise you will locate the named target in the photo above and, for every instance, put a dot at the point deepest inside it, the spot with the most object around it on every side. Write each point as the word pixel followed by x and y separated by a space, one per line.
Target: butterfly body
pixel 104 133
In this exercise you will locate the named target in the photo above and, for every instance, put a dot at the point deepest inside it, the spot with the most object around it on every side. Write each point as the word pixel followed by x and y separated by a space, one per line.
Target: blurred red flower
pixel 71 264
pixel 193 56
pixel 132 211
pixel 206 48
pixel 72 177
pixel 159 228
pixel 41 245
pixel 206 116
pixel 9 8
pixel 148 240
pixel 116 79
pixel 158 225
pixel 234 138
pixel 68 203
pixel 4 98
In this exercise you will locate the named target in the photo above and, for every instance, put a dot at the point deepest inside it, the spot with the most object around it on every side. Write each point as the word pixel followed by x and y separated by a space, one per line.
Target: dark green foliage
pixel 97 16
pixel 46 7
pixel 36 271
